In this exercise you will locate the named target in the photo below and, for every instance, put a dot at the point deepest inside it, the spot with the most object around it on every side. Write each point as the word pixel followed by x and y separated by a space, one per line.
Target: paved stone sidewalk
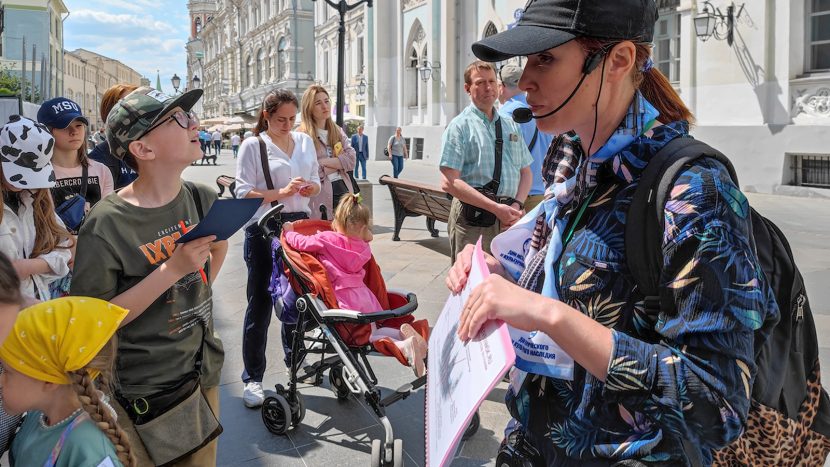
pixel 340 433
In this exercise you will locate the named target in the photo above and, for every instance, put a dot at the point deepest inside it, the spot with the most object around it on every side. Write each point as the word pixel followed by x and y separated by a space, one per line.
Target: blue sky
pixel 147 35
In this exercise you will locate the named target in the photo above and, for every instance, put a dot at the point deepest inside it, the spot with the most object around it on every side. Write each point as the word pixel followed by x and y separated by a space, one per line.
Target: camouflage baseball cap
pixel 137 112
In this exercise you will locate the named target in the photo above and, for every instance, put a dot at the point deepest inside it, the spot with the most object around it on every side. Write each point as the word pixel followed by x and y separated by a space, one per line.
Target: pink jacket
pixel 344 258
pixel 347 158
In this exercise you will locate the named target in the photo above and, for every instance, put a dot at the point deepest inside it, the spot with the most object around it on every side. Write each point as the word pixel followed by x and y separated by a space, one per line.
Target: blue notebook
pixel 225 217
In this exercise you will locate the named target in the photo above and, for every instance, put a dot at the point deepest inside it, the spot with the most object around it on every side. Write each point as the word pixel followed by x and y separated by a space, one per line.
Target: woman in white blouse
pixel 292 166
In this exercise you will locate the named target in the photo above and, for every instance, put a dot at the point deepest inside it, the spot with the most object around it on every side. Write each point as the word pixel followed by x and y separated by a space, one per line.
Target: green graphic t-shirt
pixel 119 245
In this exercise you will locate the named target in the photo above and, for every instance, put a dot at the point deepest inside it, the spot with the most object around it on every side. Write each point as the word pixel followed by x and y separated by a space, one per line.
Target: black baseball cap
pixel 546 24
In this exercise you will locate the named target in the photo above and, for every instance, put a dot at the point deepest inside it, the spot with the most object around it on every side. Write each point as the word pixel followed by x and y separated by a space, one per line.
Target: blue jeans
pixel 257 255
pixel 361 162
pixel 397 165
pixel 217 146
pixel 235 149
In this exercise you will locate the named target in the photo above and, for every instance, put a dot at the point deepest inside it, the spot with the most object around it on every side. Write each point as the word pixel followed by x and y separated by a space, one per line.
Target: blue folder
pixel 225 217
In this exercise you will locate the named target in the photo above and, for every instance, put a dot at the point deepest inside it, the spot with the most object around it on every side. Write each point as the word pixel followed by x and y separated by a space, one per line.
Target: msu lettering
pixel 65 105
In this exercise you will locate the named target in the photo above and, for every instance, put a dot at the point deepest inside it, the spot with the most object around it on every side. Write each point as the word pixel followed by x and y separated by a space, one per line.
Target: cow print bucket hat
pixel 26 154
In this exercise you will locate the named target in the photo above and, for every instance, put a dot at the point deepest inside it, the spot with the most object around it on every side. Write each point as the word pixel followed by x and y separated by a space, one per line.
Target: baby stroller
pixel 343 343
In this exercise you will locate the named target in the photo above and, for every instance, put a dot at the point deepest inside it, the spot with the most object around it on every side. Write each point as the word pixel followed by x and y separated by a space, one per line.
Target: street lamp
pixel 342 7
pixel 176 81
pixel 711 22
pixel 361 87
pixel 429 70
pixel 196 82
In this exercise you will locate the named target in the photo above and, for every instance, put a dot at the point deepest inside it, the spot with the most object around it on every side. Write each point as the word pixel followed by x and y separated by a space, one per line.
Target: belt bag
pixel 73 210
pixel 476 216
pixel 159 419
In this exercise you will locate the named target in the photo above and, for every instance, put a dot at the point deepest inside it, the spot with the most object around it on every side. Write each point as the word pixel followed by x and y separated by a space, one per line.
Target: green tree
pixel 10 85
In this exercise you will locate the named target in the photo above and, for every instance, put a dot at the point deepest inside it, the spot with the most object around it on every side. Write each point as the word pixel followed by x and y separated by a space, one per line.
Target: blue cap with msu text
pixel 60 112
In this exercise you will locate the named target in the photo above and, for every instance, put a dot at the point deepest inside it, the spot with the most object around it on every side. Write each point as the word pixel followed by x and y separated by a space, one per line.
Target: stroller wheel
pixel 337 382
pixel 377 453
pixel 276 414
pixel 472 428
pixel 297 411
pixel 397 453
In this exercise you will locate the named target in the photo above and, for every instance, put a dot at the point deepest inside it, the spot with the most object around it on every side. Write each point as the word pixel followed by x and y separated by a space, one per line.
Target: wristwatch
pixel 512 201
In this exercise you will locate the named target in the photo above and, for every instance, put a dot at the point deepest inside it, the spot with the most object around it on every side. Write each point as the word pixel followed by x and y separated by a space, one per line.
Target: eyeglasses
pixel 185 120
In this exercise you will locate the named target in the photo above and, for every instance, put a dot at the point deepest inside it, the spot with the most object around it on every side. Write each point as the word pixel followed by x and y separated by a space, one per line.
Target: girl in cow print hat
pixel 31 234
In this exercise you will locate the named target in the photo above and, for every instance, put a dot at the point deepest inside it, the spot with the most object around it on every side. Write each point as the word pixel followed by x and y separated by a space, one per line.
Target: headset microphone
pixel 524 115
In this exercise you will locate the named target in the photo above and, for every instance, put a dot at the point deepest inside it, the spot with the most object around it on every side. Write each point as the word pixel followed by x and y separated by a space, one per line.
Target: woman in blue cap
pixel 620 385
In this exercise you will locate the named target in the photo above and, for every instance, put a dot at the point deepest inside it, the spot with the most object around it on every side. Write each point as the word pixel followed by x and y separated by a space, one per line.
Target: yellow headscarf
pixel 52 338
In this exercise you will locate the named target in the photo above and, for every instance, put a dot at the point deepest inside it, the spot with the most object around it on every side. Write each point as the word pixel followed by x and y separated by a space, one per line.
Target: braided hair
pixel 93 404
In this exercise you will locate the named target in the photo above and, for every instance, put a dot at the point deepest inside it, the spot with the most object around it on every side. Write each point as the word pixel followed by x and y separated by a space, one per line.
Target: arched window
pixel 198 25
pixel 260 67
pixel 269 71
pixel 490 30
pixel 414 64
pixel 281 58
pixel 249 72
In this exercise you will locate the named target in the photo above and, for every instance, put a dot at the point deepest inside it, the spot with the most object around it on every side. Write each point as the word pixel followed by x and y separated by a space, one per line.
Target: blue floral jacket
pixel 685 375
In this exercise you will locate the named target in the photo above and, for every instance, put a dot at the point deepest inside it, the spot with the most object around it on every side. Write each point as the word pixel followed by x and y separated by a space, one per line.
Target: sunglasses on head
pixel 184 119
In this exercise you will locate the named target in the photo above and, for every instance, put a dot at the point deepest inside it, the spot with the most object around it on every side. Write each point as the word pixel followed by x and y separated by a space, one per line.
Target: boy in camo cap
pixel 127 255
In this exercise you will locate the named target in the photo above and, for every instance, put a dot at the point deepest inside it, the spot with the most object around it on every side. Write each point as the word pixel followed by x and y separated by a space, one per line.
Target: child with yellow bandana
pixel 52 359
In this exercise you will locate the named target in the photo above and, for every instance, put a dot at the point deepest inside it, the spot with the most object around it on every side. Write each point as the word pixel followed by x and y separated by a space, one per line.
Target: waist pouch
pixel 476 216
pixel 159 420
pixel 72 212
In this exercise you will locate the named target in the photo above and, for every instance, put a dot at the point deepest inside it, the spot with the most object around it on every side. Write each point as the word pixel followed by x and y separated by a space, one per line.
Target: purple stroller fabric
pixel 280 288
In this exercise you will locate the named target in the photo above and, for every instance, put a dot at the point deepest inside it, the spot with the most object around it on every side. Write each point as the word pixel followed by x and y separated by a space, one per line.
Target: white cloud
pixel 147 35
pixel 122 20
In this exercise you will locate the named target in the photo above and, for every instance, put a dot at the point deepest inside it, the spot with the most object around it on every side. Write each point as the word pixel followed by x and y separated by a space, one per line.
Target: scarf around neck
pixel 569 175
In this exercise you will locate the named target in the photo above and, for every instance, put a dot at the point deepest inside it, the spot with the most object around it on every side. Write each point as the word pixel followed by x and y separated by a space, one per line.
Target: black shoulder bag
pixel 480 217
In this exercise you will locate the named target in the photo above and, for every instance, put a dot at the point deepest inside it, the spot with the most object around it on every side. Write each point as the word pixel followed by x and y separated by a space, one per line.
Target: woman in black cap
pixel 643 387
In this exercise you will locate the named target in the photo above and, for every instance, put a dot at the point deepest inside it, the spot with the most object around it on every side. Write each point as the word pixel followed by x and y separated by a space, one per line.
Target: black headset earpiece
pixel 593 61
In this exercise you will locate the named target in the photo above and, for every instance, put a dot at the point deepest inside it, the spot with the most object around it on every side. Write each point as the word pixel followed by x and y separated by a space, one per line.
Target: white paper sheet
pixel 459 376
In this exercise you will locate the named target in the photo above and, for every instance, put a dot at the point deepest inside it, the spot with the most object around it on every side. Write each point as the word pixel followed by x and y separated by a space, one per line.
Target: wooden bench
pixel 412 199
pixel 226 181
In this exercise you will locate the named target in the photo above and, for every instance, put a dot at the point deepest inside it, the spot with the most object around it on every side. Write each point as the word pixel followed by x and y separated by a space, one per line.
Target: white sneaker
pixel 253 395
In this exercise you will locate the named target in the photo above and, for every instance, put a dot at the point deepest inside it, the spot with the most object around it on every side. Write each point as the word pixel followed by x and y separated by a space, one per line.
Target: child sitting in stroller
pixel 344 252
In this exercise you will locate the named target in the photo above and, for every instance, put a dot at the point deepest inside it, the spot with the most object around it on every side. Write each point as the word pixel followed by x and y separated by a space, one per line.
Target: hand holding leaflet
pixel 225 217
pixel 460 375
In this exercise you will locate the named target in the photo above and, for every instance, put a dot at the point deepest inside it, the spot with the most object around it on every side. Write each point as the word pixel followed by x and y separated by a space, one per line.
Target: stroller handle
pixel 352 316
pixel 264 219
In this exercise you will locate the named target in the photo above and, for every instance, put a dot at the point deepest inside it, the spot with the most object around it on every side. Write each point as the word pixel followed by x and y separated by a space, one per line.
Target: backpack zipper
pixel 799 310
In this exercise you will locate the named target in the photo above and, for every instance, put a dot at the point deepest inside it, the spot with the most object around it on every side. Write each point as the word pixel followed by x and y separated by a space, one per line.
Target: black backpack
pixel 789 420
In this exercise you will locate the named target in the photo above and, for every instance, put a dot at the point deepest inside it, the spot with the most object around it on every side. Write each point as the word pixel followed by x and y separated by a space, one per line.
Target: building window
pixel 360 63
pixel 326 67
pixel 281 59
pixel 811 170
pixel 269 72
pixel 490 30
pixel 260 67
pixel 413 78
pixel 666 53
pixel 818 35
pixel 249 72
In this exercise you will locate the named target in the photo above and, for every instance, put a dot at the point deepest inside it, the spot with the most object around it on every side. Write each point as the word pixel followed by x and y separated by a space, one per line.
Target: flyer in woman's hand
pixel 460 375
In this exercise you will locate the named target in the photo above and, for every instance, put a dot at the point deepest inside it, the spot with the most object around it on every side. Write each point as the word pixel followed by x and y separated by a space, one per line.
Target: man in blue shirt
pixel 468 162
pixel 512 98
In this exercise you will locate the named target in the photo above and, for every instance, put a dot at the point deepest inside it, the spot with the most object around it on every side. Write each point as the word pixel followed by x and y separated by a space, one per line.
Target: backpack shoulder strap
pixel 645 219
pixel 84 177
pixel 194 192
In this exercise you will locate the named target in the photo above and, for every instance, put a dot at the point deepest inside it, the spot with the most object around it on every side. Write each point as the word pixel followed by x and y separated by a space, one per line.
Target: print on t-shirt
pixel 160 250
pixel 66 189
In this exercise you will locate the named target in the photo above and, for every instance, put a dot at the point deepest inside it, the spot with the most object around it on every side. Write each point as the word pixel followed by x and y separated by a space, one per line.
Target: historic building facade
pixel 245 48
pixel 87 75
